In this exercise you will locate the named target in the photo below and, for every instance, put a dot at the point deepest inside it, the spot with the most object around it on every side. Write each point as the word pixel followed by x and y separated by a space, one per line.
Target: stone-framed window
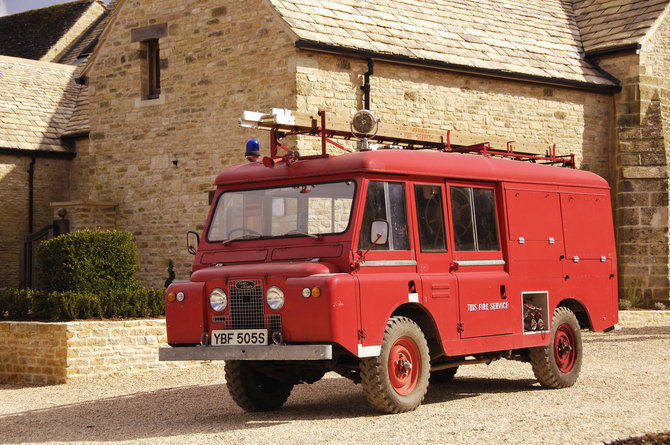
pixel 153 81
pixel 150 71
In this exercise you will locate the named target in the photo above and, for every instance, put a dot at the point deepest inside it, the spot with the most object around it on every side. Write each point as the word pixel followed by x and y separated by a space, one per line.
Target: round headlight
pixel 275 298
pixel 218 300
pixel 180 296
pixel 307 292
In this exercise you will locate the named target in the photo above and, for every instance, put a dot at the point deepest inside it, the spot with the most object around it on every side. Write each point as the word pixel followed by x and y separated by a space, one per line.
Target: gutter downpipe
pixel 31 192
pixel 366 85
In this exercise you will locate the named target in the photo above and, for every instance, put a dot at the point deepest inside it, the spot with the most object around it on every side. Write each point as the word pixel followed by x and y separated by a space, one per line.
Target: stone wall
pixel 216 61
pixel 641 166
pixel 87 215
pixel 576 121
pixel 50 353
pixel 51 180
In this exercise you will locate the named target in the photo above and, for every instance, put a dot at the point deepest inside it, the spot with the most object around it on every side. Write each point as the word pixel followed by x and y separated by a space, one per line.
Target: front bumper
pixel 272 352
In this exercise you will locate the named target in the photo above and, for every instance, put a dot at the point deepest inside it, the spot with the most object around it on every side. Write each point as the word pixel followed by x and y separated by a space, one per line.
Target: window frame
pixel 476 254
pixel 387 204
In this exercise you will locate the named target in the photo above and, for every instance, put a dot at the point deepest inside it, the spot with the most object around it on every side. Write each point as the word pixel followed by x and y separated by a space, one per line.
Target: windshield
pixel 306 209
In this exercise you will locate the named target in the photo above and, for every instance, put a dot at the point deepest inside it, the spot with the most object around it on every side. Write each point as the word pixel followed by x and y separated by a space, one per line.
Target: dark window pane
pixel 486 220
pixel 375 209
pixel 430 215
pixel 398 214
pixel 462 216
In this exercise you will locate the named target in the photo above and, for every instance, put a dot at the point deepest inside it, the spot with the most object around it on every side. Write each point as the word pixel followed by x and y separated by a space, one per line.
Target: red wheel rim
pixel 564 348
pixel 404 366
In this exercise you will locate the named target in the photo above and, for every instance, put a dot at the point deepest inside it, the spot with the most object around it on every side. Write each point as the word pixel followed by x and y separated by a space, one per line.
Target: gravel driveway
pixel 624 389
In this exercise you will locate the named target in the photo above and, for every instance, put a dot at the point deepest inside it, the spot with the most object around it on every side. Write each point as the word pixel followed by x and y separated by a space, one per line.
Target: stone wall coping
pixel 84 203
pixel 632 317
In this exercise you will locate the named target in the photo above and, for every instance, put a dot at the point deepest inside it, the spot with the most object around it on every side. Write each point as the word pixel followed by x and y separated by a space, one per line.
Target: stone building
pixel 169 79
pixel 41 125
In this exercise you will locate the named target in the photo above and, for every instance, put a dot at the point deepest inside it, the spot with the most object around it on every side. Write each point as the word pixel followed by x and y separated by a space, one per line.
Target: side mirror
pixel 192 242
pixel 379 228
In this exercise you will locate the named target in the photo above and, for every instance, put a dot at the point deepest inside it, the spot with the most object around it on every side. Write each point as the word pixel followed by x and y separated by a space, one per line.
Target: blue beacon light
pixel 253 152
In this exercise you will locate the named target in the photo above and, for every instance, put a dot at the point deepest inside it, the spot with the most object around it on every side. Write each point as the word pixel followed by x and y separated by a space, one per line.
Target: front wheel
pixel 252 390
pixel 557 365
pixel 397 380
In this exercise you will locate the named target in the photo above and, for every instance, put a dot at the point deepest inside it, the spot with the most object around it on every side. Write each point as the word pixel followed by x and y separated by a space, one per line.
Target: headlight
pixel 275 298
pixel 218 300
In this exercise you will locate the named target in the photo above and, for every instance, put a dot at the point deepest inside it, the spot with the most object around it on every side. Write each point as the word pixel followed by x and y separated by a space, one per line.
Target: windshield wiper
pixel 316 236
pixel 245 236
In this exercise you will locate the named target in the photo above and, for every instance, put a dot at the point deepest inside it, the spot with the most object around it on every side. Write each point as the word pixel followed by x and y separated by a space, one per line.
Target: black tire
pixel 557 365
pixel 252 390
pixel 443 375
pixel 397 380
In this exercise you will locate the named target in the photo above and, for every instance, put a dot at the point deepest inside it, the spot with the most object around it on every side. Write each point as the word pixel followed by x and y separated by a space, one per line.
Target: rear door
pixel 483 280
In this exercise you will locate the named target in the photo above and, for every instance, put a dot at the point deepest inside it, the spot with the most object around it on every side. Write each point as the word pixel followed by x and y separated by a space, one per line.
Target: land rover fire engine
pixel 393 265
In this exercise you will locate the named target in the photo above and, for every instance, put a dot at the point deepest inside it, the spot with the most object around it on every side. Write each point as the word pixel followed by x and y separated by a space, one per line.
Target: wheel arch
pixel 422 317
pixel 580 311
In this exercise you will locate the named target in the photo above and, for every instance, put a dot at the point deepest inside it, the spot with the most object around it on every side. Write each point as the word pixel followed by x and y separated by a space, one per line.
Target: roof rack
pixel 282 123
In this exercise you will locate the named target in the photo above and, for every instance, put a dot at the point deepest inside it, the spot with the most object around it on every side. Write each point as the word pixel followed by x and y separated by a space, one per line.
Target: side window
pixel 385 201
pixel 473 211
pixel 430 215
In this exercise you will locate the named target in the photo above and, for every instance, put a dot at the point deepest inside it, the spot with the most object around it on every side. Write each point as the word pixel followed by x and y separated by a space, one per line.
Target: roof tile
pixel 540 37
pixel 44 96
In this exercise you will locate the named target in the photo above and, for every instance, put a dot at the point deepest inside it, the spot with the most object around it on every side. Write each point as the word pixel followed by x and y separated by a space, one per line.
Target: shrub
pixel 171 274
pixel 17 303
pixel 70 305
pixel 634 295
pixel 86 261
pixel 659 306
pixel 624 304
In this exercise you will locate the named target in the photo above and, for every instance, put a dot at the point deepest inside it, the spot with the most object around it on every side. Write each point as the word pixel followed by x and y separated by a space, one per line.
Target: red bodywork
pixel 556 248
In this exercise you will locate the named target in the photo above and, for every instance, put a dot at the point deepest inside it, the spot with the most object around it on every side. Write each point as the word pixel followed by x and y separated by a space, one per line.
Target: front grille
pixel 247 308
pixel 246 305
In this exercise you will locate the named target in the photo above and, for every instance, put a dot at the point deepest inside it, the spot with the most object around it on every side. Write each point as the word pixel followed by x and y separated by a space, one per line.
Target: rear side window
pixel 473 212
pixel 385 201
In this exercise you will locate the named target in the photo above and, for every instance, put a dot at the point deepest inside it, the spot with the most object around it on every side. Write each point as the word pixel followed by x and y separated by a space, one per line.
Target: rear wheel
pixel 252 390
pixel 557 365
pixel 397 380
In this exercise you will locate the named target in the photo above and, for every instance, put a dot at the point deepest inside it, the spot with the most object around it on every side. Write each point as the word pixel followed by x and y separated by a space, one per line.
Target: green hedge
pixel 92 262
pixel 70 305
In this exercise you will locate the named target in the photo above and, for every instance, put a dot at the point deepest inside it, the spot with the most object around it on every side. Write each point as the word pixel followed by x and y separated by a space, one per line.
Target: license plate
pixel 241 337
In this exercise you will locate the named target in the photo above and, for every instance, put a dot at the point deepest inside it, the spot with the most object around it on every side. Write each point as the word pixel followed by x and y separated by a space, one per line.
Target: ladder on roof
pixel 282 123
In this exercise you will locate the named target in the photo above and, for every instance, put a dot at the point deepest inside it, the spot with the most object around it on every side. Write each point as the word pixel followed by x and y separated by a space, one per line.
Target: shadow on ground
pixel 209 409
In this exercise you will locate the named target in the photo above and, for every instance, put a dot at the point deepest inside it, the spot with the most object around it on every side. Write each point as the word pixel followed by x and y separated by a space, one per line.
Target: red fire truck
pixel 392 265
